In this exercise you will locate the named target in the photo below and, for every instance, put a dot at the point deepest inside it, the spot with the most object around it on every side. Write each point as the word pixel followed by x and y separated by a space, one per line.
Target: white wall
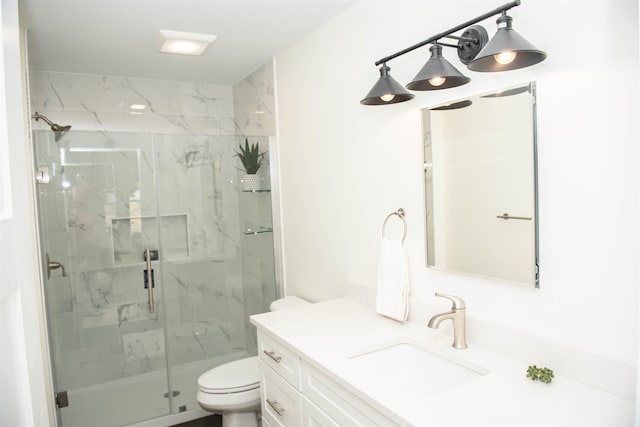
pixel 26 398
pixel 344 166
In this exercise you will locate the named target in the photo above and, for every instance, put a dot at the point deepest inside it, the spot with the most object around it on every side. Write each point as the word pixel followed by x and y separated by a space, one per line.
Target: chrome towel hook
pixel 400 213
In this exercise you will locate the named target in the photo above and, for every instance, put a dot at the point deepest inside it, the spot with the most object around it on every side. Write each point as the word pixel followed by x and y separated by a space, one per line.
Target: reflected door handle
pixel 507 216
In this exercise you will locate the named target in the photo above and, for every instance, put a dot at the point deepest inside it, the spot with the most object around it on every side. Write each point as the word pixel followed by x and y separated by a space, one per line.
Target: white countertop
pixel 328 334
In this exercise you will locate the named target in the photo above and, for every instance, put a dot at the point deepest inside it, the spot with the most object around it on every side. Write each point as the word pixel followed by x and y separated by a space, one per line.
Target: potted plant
pixel 251 159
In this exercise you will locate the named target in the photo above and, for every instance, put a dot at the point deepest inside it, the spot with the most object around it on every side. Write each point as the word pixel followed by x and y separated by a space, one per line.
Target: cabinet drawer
pixel 338 403
pixel 280 402
pixel 312 416
pixel 280 359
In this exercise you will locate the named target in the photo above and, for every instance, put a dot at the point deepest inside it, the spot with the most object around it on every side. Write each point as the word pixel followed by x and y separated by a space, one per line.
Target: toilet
pixel 233 389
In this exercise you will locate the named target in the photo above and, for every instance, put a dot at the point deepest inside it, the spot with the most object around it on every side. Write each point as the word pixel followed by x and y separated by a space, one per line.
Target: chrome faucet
pixel 457 315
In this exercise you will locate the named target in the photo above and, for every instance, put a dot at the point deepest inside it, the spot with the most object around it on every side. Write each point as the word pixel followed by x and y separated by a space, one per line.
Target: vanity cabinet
pixel 280 401
pixel 342 406
pixel 295 393
pixel 313 416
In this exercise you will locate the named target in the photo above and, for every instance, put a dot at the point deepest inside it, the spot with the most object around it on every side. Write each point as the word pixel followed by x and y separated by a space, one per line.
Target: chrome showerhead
pixel 56 128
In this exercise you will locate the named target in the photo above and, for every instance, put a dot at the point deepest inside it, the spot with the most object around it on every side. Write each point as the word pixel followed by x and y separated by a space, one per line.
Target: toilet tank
pixel 287 302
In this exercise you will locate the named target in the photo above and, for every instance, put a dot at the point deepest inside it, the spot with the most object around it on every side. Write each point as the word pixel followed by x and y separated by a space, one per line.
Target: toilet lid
pixel 239 375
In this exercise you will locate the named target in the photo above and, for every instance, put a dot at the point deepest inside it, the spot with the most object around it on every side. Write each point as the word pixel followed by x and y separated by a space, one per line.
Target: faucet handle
pixel 458 303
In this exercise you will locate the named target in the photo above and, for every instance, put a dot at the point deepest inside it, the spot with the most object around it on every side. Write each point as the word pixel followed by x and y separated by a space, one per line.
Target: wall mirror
pixel 480 172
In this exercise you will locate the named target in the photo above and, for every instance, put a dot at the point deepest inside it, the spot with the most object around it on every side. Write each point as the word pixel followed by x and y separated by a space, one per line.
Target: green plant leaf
pixel 250 156
pixel 540 374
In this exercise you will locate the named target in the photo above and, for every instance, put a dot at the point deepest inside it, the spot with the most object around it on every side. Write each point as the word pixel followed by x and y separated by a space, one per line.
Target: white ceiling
pixel 116 37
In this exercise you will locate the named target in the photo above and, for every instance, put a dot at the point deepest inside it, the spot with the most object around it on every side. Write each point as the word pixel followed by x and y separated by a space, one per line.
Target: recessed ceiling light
pixel 137 106
pixel 184 43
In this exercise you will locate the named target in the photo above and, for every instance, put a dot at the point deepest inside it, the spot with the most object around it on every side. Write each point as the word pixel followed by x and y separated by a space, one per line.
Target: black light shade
pixel 386 90
pixel 506 40
pixel 437 73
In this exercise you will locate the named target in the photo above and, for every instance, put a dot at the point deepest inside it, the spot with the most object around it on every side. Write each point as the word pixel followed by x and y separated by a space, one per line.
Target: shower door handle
pixel 149 279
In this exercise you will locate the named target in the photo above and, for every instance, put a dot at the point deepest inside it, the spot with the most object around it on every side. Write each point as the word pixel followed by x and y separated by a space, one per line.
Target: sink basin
pixel 411 367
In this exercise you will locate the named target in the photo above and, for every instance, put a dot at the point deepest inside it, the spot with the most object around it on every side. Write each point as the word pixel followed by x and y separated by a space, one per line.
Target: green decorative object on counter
pixel 540 374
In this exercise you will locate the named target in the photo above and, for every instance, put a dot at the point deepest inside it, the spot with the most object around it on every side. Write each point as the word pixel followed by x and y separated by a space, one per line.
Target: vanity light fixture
pixel 386 90
pixel 507 50
pixel 136 109
pixel 183 43
pixel 437 73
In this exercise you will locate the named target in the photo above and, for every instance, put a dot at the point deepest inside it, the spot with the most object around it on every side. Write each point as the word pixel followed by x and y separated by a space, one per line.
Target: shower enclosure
pixel 155 259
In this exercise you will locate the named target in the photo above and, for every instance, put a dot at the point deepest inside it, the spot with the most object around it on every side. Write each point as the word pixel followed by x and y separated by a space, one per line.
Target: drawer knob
pixel 276 407
pixel 273 356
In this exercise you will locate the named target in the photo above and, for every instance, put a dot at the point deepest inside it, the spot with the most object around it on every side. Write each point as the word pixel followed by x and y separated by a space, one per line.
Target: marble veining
pixel 254 103
pixel 134 312
pixel 143 345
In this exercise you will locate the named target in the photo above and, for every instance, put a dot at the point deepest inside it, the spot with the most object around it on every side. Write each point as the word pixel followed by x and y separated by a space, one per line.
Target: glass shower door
pixel 97 203
pixel 204 282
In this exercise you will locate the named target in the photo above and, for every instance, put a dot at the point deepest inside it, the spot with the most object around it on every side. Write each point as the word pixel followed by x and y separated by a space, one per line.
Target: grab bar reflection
pixel 507 216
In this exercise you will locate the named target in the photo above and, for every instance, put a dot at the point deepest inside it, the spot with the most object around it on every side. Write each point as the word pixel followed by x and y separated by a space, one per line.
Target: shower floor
pixel 127 401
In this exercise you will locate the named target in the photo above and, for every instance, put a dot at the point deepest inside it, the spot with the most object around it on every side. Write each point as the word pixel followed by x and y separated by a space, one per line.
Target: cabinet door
pixel 280 402
pixel 312 416
pixel 340 405
pixel 279 358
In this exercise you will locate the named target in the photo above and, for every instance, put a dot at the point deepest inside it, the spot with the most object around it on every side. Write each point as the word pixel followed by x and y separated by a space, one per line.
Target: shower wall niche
pixel 165 177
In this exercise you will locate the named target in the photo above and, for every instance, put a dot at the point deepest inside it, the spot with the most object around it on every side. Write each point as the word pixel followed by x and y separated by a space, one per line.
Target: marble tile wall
pixel 254 103
pixel 99 211
pixel 102 103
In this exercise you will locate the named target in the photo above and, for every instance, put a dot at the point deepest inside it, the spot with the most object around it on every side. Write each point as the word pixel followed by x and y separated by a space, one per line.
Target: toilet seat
pixel 232 377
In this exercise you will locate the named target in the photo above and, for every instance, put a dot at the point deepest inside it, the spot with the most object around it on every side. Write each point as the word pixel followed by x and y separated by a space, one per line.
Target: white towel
pixel 392 298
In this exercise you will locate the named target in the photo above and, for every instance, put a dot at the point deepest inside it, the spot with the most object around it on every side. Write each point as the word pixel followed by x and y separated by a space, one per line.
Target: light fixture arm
pixel 449 45
pixel 464 39
pixel 448 32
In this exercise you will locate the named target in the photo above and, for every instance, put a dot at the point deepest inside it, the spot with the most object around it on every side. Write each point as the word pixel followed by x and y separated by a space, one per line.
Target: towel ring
pixel 400 214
